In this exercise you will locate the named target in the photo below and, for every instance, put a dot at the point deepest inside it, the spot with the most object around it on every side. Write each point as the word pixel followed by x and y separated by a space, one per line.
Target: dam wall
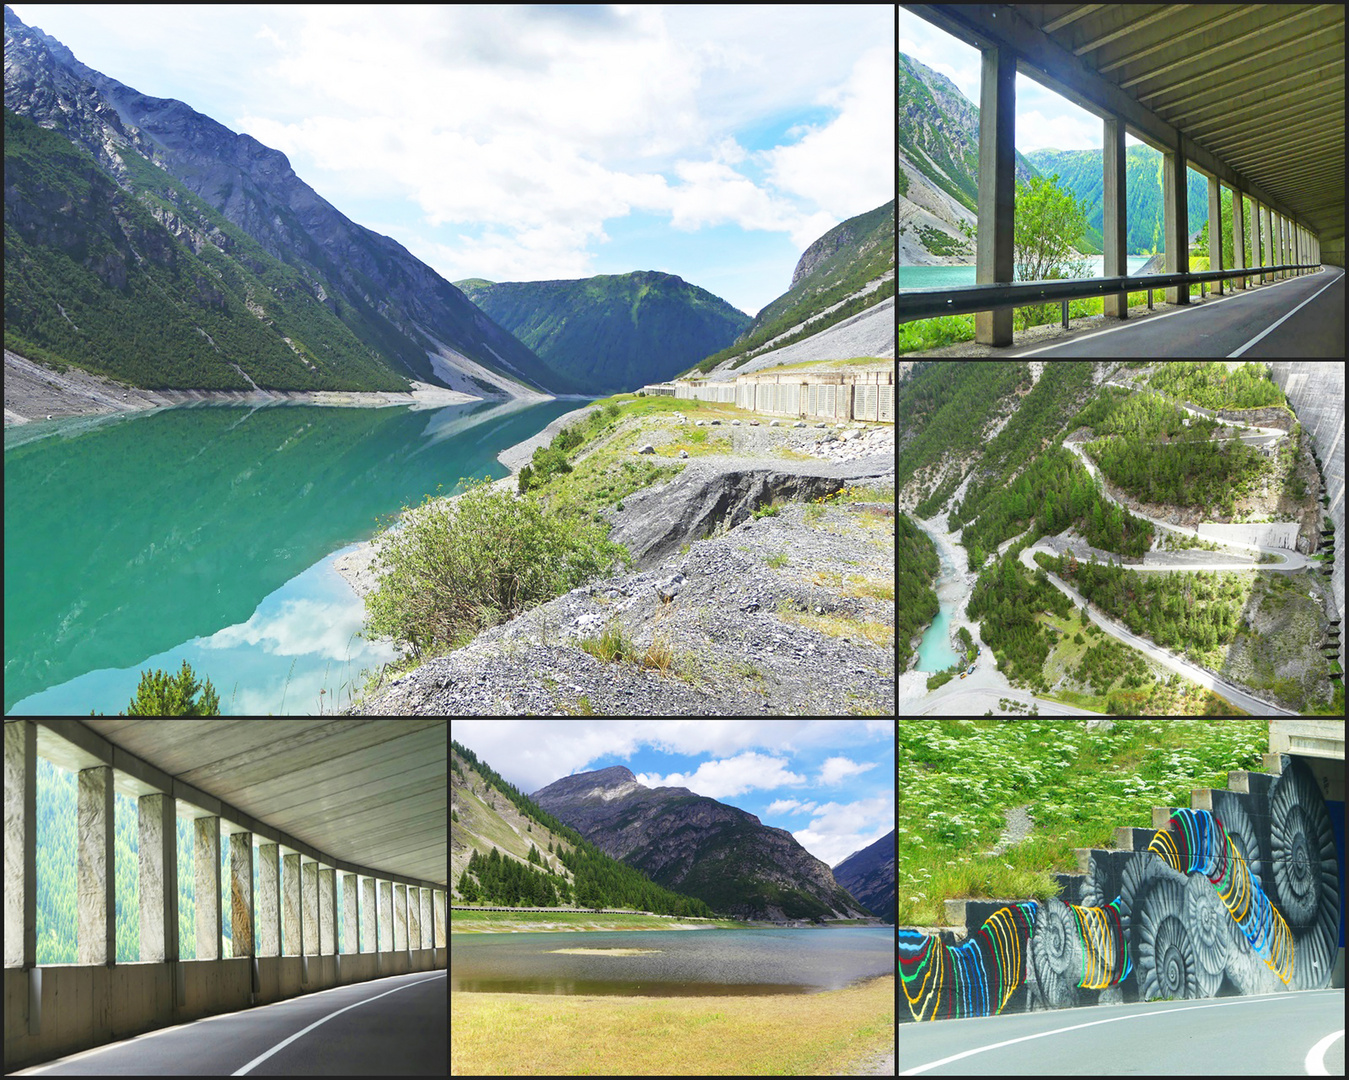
pixel 1316 393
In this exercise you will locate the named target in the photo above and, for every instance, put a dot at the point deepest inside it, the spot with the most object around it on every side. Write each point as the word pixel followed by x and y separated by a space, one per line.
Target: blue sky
pixel 830 783
pixel 534 142
pixel 1044 119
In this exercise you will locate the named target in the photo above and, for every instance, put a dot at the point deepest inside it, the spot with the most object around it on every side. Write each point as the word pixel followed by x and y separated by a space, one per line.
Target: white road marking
pixel 1275 326
pixel 1076 1027
pixel 286 1042
pixel 1316 1056
pixel 1035 350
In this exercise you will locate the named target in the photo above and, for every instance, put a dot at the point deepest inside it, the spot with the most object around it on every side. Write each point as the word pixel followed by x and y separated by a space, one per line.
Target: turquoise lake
pixel 207 534
pixel 951 277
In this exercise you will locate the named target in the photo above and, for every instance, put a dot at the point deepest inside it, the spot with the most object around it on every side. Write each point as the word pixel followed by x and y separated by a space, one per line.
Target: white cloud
pixel 837 769
pixel 1037 131
pixel 839 829
pixel 539 128
pixel 729 776
pixel 789 806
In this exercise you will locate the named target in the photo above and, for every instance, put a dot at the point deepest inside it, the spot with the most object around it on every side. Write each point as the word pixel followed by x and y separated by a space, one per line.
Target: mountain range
pixel 696 845
pixel 613 332
pixel 869 875
pixel 847 275
pixel 146 241
pixel 939 171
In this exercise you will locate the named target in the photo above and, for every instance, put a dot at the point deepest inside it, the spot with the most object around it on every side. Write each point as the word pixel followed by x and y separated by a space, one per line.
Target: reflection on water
pixel 671 963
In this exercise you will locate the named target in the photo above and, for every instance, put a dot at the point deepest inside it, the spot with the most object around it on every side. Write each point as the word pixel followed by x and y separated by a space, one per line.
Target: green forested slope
pixel 1082 173
pixel 613 332
pixel 147 284
pixel 593 879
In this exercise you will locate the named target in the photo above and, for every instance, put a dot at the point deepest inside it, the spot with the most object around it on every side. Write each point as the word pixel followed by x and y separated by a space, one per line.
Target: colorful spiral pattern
pixel 943 982
pixel 1194 842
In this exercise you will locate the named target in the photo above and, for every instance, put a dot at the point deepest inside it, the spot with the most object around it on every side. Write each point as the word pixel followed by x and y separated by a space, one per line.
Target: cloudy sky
pixel 830 783
pixel 1044 120
pixel 520 143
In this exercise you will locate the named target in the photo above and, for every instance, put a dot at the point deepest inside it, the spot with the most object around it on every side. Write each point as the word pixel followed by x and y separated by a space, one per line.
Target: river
pixel 207 534
pixel 671 963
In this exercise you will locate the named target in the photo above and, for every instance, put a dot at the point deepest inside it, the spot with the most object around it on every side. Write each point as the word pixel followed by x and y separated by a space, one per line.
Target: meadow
pixel 958 777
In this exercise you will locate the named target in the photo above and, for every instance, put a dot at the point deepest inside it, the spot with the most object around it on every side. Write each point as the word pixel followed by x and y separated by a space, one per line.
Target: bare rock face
pixel 699 846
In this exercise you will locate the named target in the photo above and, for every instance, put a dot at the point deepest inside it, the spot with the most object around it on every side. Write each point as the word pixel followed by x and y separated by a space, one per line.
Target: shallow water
pixel 671 963
pixel 206 533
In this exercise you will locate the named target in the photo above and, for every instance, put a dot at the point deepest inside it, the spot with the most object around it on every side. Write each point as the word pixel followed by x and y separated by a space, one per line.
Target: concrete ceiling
pixel 1258 88
pixel 371 792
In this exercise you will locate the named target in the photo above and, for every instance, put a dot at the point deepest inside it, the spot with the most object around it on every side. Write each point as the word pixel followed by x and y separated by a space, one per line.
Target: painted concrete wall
pixel 1241 896
pixel 63 1008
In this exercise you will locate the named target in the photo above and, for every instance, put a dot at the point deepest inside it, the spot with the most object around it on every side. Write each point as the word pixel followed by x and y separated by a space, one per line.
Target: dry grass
pixel 788 1034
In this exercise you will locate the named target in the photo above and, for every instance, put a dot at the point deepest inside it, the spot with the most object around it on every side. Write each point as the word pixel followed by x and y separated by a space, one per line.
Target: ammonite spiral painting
pixel 1242 899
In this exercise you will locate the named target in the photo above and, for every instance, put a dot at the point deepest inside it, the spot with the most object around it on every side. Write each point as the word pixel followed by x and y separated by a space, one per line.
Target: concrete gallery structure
pixel 1252 96
pixel 323 807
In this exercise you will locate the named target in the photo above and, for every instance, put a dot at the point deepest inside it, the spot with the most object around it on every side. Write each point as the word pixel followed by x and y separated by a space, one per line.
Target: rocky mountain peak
pixel 702 847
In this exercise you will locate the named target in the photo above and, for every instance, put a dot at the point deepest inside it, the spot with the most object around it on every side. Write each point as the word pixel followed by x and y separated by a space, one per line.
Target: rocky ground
pixel 784 614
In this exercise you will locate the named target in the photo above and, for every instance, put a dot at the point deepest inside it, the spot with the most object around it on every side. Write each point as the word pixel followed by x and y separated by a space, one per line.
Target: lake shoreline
pixel 35 392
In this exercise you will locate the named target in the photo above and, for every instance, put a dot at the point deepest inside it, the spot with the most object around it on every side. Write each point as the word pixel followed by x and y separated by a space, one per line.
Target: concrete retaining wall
pixel 1282 534
pixel 63 1008
pixel 1238 895
pixel 836 396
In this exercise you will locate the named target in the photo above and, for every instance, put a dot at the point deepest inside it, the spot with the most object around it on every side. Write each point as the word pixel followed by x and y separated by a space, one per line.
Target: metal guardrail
pixel 967 299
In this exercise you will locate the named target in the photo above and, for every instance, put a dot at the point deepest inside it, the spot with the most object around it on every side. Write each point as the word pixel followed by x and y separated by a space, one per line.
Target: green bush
pixel 455 569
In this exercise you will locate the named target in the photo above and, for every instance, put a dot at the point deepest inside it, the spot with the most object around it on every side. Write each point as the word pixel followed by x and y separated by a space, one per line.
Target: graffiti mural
pixel 1243 899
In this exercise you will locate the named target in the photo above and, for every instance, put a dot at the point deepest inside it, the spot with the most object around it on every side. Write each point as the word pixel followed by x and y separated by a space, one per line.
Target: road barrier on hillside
pixel 824 395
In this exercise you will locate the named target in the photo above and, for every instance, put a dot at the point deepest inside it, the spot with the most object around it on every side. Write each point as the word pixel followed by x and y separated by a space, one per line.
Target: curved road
pixel 1275 1034
pixel 397 1026
pixel 960 697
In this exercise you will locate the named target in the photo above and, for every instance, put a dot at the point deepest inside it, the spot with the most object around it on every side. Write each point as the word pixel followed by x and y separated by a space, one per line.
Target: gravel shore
pixel 789 614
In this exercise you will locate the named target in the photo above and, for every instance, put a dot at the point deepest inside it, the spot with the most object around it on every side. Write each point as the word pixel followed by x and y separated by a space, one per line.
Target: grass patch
pixel 959 776
pixel 779 1034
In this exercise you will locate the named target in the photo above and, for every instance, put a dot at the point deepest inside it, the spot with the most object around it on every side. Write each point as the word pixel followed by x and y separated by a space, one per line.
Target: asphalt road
pixel 1228 326
pixel 397 1026
pixel 1273 1034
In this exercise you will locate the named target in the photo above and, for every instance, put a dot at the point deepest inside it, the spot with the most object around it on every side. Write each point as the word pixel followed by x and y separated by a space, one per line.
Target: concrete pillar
pixel 290 905
pixel 400 917
pixel 385 916
pixel 439 907
pixel 241 893
pixel 1114 207
pixel 95 904
pixel 1215 231
pixel 997 188
pixel 158 878
pixel 20 844
pixel 1239 252
pixel 1266 243
pixel 370 917
pixel 428 921
pixel 327 912
pixel 309 890
pixel 206 882
pixel 1176 222
pixel 414 917
pixel 269 900
pixel 350 932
